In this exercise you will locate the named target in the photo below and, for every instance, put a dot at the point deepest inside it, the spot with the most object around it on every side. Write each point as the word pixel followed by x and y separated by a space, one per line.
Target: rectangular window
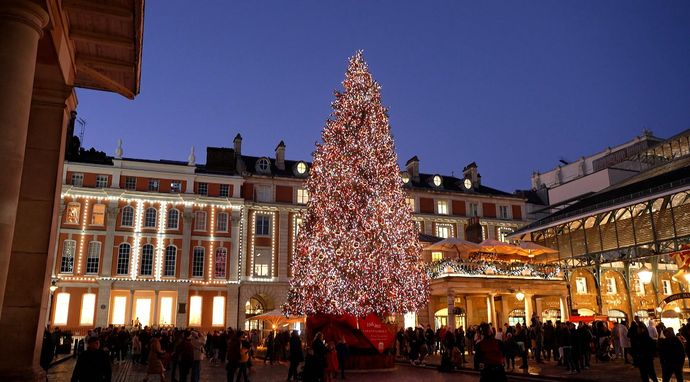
pixel 146 260
pixel 101 181
pixel 419 225
pixel 67 262
pixel 123 259
pixel 581 285
pixel 666 286
pixel 130 183
pixel 503 212
pixel 503 233
pixel 224 191
pixel 222 222
pixel 302 196
pixel 202 188
pixel 220 263
pixel 176 186
pixel 166 311
pixel 198 262
pixel 444 230
pixel 98 214
pixel 436 256
pixel 77 179
pixel 200 221
pixel 474 209
pixel 263 194
pixel 88 307
pixel 410 202
pixel 142 309
pixel 262 263
pixel 263 225
pixel 154 184
pixel 218 316
pixel 484 237
pixel 93 258
pixel 611 285
pixel 119 310
pixel 195 311
pixel 73 210
pixel 127 219
pixel 442 207
pixel 61 309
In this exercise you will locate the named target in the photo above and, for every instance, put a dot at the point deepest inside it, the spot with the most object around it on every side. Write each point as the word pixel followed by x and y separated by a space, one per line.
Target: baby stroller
pixel 604 349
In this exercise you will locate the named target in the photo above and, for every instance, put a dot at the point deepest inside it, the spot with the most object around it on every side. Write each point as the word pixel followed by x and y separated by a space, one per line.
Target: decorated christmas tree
pixel 357 251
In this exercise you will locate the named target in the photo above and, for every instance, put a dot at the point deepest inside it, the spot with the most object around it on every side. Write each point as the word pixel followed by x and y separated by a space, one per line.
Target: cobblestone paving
pixel 270 373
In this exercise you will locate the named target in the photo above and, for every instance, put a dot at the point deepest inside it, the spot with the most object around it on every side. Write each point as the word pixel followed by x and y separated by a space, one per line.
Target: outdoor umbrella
pixel 277 318
pixel 534 249
pixel 495 246
pixel 453 244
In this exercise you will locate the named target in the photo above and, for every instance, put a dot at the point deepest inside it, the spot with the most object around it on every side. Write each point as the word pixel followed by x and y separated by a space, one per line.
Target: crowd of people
pixel 178 354
pixel 571 346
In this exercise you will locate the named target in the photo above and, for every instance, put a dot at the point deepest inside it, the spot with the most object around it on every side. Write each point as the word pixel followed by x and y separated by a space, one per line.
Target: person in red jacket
pixel 488 356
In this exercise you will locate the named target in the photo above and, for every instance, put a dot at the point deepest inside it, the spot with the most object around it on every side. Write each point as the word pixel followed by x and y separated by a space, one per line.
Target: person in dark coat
pixel 671 355
pixel 270 348
pixel 342 350
pixel 319 348
pixel 93 365
pixel 233 355
pixel 185 352
pixel 488 356
pixel 645 354
pixel 296 355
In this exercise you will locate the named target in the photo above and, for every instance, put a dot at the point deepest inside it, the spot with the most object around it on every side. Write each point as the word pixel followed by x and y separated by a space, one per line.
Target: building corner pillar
pixel 451 307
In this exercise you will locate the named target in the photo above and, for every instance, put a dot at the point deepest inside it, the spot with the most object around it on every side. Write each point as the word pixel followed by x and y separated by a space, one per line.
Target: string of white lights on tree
pixel 357 251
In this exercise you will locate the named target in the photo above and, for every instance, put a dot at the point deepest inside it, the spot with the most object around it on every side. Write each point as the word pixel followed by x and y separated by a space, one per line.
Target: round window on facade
pixel 468 184
pixel 301 168
pixel 263 165
pixel 437 180
pixel 405 177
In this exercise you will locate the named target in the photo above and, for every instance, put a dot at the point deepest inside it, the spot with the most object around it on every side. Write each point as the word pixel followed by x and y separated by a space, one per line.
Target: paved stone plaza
pixel 615 371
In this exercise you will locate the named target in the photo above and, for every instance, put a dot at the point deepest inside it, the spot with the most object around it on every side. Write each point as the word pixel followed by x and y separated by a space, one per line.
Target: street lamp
pixel 645 275
pixel 53 287
pixel 520 296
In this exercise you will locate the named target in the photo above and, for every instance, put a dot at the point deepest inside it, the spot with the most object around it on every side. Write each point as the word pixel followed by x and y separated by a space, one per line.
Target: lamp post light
pixel 520 296
pixel 645 275
pixel 53 287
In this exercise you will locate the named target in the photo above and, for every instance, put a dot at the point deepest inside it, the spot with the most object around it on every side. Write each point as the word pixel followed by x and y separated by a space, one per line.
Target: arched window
pixel 67 262
pixel 252 308
pixel 123 259
pixel 173 220
pixel 150 217
pixel 147 260
pixel 220 262
pixel 127 219
pixel 198 262
pixel 93 258
pixel 170 261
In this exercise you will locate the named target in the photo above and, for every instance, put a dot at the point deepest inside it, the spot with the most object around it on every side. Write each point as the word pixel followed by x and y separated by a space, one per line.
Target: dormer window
pixel 263 166
pixel 436 180
pixel 405 177
pixel 300 169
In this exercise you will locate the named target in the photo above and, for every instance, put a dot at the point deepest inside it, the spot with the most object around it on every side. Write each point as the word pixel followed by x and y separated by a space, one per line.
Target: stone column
pixel 235 252
pixel 181 320
pixel 131 316
pixel 21 25
pixel 187 243
pixel 539 308
pixel 451 306
pixel 528 308
pixel 505 314
pixel 283 246
pixel 156 312
pixel 103 300
pixel 564 308
pixel 111 226
pixel 469 312
pixel 430 312
pixel 492 308
pixel 231 306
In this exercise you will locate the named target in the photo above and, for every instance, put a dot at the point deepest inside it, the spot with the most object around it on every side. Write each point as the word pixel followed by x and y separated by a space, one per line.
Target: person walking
pixel 319 348
pixel 245 347
pixel 198 343
pixel 93 365
pixel 488 356
pixel 233 355
pixel 671 355
pixel 296 355
pixel 155 365
pixel 342 351
pixel 185 356
pixel 270 343
pixel 645 354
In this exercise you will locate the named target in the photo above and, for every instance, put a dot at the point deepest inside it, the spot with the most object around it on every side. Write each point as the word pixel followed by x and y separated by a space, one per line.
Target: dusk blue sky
pixel 512 85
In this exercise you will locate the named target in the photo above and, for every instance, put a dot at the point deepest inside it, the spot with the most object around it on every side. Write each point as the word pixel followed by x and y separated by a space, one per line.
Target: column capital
pixel 26 12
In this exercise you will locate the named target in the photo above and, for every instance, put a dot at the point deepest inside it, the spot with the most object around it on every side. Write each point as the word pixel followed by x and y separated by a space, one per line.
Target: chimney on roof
pixel 470 172
pixel 413 168
pixel 280 156
pixel 238 144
